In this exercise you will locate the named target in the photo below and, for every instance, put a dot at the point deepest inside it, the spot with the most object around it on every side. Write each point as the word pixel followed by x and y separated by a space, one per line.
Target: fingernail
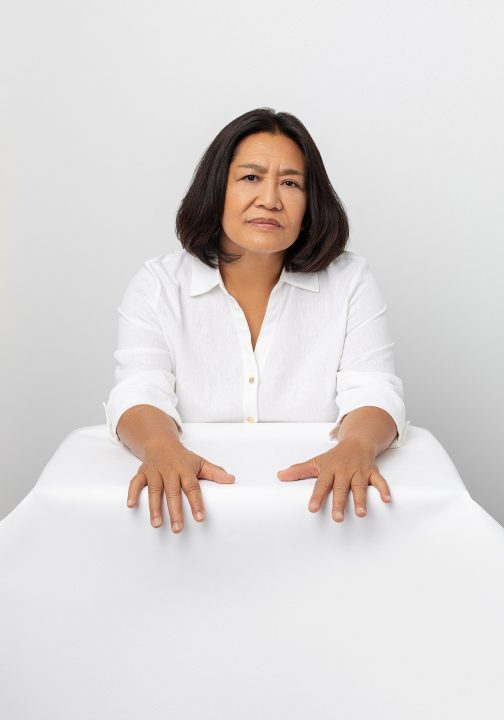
pixel 313 506
pixel 338 515
pixel 361 510
pixel 176 527
pixel 130 503
pixel 156 522
pixel 199 515
pixel 387 497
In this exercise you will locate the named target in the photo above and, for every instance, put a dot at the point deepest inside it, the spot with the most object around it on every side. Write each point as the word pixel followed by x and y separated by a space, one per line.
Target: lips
pixel 264 221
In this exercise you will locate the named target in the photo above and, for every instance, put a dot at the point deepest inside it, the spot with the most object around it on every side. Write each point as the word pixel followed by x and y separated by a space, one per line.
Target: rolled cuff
pixel 114 409
pixel 377 389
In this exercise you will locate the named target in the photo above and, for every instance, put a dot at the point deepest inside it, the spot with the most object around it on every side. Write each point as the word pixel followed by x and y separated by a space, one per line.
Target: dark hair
pixel 326 228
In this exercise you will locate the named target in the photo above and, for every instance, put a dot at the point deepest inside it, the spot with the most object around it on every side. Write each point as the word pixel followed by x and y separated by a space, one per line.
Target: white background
pixel 106 108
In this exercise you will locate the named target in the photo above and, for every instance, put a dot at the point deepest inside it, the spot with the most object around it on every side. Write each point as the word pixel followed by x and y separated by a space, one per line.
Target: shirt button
pixel 251 379
pixel 250 419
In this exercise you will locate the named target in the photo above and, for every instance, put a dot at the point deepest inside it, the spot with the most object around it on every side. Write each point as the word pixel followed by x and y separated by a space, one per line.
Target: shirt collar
pixel 204 278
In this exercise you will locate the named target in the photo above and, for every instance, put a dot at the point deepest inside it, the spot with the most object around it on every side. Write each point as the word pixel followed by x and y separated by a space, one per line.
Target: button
pixel 251 379
pixel 250 419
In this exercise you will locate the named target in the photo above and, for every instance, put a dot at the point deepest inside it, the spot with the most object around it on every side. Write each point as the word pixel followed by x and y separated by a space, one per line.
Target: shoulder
pixel 167 269
pixel 347 262
pixel 169 266
pixel 159 272
pixel 348 267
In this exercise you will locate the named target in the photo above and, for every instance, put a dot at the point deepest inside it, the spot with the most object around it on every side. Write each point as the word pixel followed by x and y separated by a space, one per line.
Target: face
pixel 267 180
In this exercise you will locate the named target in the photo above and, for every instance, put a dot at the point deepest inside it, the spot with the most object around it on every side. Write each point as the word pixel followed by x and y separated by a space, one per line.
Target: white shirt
pixel 184 346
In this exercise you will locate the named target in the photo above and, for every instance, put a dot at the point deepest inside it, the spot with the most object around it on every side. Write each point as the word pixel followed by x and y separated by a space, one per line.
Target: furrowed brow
pixel 261 169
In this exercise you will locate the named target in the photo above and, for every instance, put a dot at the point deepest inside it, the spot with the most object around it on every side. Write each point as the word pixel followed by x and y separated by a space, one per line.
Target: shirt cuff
pixel 362 389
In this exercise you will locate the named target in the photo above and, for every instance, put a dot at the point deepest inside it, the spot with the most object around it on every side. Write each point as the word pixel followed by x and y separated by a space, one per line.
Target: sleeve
pixel 366 375
pixel 143 371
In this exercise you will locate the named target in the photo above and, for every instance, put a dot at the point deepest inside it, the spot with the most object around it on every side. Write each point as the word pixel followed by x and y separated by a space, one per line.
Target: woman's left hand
pixel 351 464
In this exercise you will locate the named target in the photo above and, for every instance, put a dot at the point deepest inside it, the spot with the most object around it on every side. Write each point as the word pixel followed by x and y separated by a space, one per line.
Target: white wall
pixel 106 107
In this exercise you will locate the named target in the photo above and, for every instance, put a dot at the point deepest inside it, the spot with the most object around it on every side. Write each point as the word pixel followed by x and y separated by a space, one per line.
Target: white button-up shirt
pixel 184 346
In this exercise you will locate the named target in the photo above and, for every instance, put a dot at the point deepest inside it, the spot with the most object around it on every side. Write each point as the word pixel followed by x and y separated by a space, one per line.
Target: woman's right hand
pixel 169 467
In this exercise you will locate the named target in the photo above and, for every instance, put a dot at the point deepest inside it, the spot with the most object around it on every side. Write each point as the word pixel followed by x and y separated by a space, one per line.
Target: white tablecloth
pixel 264 611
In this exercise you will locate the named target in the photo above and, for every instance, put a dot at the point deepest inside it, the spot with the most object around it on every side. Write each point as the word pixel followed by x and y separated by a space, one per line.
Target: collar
pixel 204 278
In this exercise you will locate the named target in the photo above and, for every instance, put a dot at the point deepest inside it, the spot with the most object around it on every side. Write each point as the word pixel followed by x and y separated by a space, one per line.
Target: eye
pixel 294 184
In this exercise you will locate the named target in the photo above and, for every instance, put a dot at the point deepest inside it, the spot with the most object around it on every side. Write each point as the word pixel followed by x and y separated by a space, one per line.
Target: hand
pixel 170 466
pixel 351 464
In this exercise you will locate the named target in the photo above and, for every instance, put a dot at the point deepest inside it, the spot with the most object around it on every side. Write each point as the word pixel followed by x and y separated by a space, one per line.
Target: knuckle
pixel 173 492
pixel 167 469
pixel 338 487
pixel 191 486
pixel 359 485
pixel 360 480
pixel 324 482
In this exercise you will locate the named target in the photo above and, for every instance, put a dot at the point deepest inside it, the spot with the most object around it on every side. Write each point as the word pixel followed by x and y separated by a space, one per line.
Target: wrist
pixel 363 442
pixel 163 439
pixel 369 425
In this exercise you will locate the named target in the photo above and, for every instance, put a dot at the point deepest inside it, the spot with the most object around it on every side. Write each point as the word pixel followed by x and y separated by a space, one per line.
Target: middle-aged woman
pixel 263 315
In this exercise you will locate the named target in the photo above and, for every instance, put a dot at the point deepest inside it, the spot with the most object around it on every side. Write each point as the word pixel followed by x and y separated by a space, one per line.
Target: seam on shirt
pixel 373 317
pixel 147 265
pixel 353 285
pixel 363 356
pixel 155 307
pixel 358 277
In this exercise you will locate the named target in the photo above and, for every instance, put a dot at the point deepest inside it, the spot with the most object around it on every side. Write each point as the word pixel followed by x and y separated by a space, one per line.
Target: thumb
pixel 299 471
pixel 216 473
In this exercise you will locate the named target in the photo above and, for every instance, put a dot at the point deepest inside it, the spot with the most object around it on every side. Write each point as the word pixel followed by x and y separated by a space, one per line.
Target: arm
pixel 369 394
pixel 143 425
pixel 144 373
pixel 370 424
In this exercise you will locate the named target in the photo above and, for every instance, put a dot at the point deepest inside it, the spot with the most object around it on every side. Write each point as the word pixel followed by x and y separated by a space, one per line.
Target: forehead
pixel 265 147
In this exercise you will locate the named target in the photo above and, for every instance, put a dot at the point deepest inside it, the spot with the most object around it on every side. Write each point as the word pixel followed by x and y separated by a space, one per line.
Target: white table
pixel 264 611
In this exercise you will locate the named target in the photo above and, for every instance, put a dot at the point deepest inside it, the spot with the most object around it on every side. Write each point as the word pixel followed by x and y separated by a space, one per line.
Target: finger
pixel 340 493
pixel 155 485
pixel 209 471
pixel 299 471
pixel 191 487
pixel 173 494
pixel 381 485
pixel 320 490
pixel 359 490
pixel 135 487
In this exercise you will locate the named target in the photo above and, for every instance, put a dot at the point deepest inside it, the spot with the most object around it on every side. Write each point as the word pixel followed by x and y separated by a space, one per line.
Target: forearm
pixel 371 424
pixel 141 425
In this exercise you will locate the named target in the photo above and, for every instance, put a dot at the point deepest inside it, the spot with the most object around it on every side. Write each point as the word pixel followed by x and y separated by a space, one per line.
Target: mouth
pixel 266 224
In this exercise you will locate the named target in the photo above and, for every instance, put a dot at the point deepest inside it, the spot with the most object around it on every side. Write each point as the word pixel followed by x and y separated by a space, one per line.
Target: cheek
pixel 234 208
pixel 236 198
pixel 298 208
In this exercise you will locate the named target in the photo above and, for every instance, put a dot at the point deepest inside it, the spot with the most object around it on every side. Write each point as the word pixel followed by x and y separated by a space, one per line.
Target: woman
pixel 261 316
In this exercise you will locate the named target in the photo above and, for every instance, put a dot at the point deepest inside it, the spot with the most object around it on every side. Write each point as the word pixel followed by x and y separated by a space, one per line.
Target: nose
pixel 269 193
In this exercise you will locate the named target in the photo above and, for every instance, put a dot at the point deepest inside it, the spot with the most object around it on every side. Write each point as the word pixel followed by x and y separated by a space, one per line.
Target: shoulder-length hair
pixel 325 224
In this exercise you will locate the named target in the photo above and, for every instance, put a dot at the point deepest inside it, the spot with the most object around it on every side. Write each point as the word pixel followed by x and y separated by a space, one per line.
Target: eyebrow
pixel 261 169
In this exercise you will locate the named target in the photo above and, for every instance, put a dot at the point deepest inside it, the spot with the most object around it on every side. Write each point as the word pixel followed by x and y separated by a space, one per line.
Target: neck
pixel 254 273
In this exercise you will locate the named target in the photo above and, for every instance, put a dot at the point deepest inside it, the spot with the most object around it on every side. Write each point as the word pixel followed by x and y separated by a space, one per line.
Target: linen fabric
pixel 324 347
